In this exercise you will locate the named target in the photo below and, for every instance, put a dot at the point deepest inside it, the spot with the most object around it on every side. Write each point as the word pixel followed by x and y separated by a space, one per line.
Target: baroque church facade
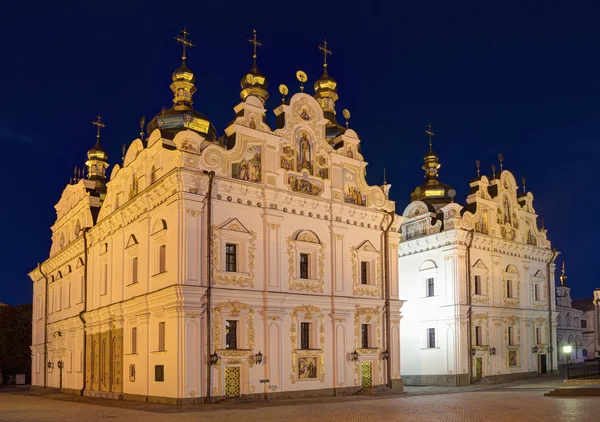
pixel 255 263
pixel 478 280
pixel 569 325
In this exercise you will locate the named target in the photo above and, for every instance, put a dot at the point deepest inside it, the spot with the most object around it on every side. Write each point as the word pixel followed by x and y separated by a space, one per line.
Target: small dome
pixel 254 83
pixel 325 83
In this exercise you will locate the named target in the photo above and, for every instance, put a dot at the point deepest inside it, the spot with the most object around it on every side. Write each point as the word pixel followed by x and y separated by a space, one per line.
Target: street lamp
pixel 214 358
pixel 473 351
pixel 385 355
pixel 492 351
pixel 258 357
pixel 60 367
pixel 567 349
pixel 534 349
pixel 354 356
pixel 49 364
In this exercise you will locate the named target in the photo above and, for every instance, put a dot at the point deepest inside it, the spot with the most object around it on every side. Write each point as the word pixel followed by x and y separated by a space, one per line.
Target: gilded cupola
pixel 182 115
pixel 432 191
pixel 254 82
pixel 326 95
pixel 97 161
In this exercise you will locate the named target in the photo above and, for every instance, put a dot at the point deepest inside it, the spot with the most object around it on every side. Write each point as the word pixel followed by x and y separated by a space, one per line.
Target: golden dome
pixel 254 83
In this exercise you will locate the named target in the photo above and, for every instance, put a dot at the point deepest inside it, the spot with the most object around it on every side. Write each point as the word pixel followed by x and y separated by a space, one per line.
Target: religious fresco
pixel 323 169
pixel 304 158
pixel 304 184
pixel 307 368
pixel 249 167
pixel 512 358
pixel 352 193
pixel 482 225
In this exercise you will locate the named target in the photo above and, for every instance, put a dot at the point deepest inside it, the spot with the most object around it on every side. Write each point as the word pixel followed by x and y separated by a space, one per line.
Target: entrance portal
pixel 366 374
pixel 232 381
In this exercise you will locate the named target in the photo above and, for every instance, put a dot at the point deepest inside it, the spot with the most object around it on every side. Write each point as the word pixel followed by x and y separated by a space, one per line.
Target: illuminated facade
pixel 569 330
pixel 259 262
pixel 478 283
pixel 589 325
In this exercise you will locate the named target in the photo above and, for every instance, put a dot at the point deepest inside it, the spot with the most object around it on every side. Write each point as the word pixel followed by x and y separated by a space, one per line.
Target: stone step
pixel 574 392
pixel 376 391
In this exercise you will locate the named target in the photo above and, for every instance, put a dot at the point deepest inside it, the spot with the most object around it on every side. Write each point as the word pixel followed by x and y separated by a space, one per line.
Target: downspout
pixel 84 310
pixel 211 177
pixel 45 326
pixel 388 317
pixel 469 326
pixel 550 286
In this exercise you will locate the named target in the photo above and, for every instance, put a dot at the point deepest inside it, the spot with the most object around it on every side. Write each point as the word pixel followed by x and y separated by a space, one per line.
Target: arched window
pixel 569 321
pixel 583 323
pixel 584 353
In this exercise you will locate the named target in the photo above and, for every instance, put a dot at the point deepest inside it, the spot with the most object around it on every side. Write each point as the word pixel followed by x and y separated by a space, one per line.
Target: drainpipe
pixel 470 324
pixel 84 310
pixel 45 326
pixel 550 286
pixel 211 178
pixel 388 317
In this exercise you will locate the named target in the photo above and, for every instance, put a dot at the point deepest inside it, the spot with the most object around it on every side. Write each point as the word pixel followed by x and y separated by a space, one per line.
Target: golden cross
pixel 325 51
pixel 256 43
pixel 184 42
pixel 99 124
pixel 429 131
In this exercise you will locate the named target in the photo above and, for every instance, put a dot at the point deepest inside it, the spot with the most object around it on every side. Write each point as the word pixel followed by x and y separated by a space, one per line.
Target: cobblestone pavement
pixel 524 402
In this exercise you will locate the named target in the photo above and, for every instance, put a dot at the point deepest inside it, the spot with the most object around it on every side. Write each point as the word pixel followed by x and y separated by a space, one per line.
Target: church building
pixel 478 280
pixel 257 263
pixel 569 325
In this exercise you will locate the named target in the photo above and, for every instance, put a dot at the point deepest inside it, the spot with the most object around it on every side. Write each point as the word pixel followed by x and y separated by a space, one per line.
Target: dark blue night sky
pixel 522 81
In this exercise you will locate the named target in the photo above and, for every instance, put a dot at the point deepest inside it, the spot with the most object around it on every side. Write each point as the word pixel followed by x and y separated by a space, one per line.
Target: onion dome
pixel 97 161
pixel 432 191
pixel 182 115
pixel 254 82
pixel 326 95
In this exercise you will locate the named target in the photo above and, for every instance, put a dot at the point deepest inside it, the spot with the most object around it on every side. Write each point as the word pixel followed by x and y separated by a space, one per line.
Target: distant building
pixel 569 324
pixel 478 283
pixel 590 325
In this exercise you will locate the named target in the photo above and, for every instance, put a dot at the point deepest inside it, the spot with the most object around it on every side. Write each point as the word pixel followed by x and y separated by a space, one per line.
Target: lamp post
pixel 567 349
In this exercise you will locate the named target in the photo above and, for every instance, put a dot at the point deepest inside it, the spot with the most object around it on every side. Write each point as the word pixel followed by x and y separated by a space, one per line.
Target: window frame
pixel 431 338
pixel 162 337
pixel 364 335
pixel 364 272
pixel 228 255
pixel 229 335
pixel 430 287
pixel 304 266
pixel 305 331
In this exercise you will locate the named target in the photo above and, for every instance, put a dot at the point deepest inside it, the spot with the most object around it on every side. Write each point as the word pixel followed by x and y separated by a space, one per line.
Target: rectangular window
pixel 431 338
pixel 159 373
pixel 105 281
pixel 364 336
pixel 430 287
pixel 231 257
pixel 60 296
pixel 538 335
pixel 478 336
pixel 510 336
pixel 364 272
pixel 536 291
pixel 477 284
pixel 50 303
pixel 303 265
pixel 231 334
pixel 509 288
pixel 305 335
pixel 134 340
pixel 161 336
pixel 162 259
pixel 134 270
pixel 69 295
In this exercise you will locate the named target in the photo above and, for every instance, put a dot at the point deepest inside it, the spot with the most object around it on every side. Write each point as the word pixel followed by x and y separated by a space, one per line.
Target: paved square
pixel 507 403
